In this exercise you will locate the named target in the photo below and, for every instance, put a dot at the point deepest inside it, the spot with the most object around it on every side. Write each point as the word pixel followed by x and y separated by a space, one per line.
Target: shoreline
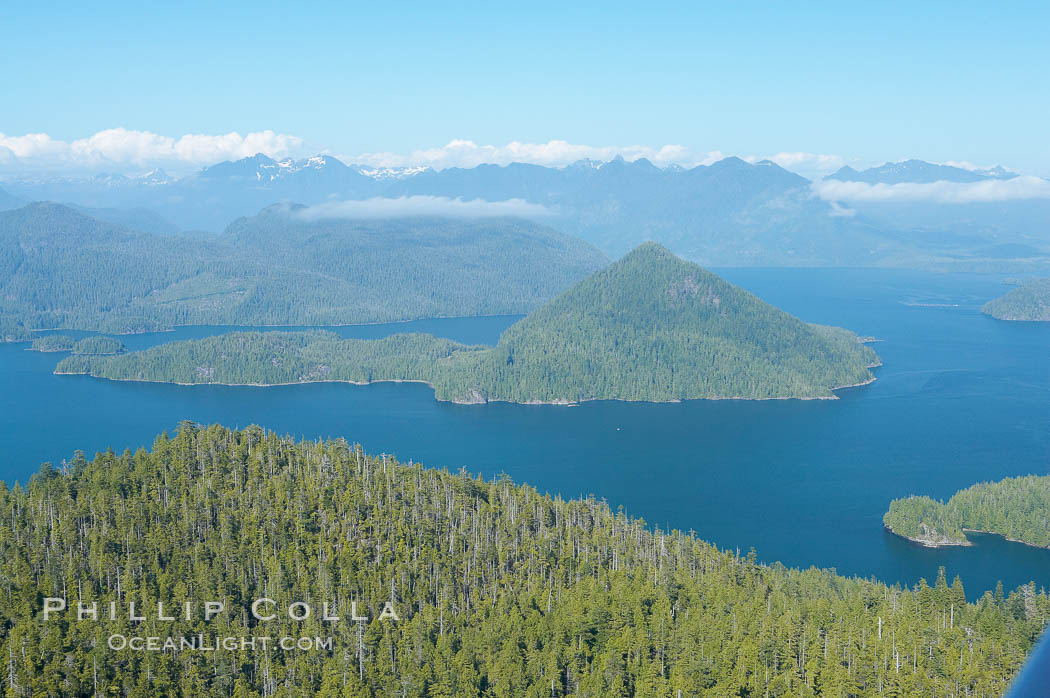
pixel 928 543
pixel 248 328
pixel 1003 318
pixel 562 402
pixel 967 543
pixel 1007 538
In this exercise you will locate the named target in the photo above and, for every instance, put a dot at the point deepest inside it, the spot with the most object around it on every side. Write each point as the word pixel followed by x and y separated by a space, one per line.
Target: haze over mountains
pixel 732 212
pixel 9 201
pixel 919 172
pixel 955 213
pixel 62 268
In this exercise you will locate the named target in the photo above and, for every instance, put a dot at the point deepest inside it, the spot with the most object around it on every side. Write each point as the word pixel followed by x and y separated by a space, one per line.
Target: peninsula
pixel 96 344
pixel 1016 508
pixel 1028 302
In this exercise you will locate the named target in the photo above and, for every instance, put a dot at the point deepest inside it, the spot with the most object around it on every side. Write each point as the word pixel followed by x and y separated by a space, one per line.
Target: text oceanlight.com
pixel 205 643
pixel 262 610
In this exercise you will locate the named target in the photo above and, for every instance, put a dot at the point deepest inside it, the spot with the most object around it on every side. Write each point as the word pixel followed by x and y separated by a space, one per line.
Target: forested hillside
pixel 62 269
pixel 655 327
pixel 53 343
pixel 1017 508
pixel 1030 301
pixel 98 345
pixel 274 358
pixel 94 345
pixel 650 327
pixel 500 591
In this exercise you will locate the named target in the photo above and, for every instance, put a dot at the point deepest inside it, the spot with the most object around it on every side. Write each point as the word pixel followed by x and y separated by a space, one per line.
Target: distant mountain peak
pixel 731 161
pixel 844 173
pixel 387 174
pixel 617 164
pixel 649 249
pixel 918 171
pixel 319 162
pixel 251 167
pixel 155 176
pixel 257 159
pixel 584 164
pixel 997 172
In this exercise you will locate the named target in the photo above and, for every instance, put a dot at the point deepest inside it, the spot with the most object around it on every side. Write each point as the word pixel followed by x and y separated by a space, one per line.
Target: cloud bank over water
pixel 414 206
pixel 555 153
pixel 936 192
pixel 558 153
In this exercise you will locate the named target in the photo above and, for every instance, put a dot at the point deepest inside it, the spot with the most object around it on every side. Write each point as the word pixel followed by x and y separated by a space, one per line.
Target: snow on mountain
pixel 387 174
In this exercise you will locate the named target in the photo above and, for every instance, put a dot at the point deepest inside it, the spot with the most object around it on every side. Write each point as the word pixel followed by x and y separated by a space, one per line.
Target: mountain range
pixel 918 171
pixel 960 232
pixel 729 213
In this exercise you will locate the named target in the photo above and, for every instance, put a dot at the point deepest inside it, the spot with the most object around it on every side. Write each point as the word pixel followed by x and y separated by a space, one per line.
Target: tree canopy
pixel 62 269
pixel 1017 508
pixel 1030 301
pixel 500 591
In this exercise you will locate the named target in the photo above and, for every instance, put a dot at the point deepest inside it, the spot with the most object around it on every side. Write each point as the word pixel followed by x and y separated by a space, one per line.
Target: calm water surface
pixel 961 398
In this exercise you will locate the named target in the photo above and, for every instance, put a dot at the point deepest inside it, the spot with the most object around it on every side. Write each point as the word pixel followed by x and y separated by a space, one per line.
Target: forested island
pixel 94 345
pixel 1029 301
pixel 499 590
pixel 1016 508
pixel 649 327
pixel 62 269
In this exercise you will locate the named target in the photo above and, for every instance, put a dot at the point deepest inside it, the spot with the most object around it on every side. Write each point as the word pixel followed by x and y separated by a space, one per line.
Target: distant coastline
pixel 563 402
pixel 177 326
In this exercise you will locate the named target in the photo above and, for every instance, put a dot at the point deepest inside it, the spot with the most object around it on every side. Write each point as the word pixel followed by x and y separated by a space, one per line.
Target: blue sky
pixel 864 83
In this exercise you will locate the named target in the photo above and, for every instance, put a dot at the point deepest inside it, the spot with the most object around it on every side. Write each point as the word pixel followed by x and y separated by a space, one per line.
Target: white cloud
pixel 465 153
pixel 965 165
pixel 407 206
pixel 125 150
pixel 1024 187
pixel 120 149
pixel 840 211
pixel 556 153
pixel 811 165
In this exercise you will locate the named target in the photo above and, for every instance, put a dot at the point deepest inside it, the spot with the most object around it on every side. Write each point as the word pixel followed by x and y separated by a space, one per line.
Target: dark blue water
pixel 961 398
